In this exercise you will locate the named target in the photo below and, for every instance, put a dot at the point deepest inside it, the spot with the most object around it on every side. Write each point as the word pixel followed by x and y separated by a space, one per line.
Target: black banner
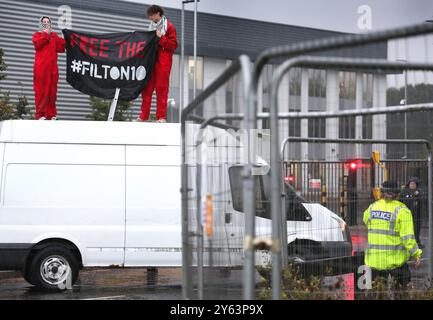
pixel 97 64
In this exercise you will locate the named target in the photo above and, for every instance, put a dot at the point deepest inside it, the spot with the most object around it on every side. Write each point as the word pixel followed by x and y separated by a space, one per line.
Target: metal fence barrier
pixel 276 177
pixel 251 119
pixel 192 191
pixel 249 122
pixel 336 184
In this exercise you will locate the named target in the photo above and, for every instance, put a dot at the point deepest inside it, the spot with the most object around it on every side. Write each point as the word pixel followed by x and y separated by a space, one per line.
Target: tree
pixel 418 123
pixel 101 109
pixel 419 93
pixel 2 65
pixel 9 110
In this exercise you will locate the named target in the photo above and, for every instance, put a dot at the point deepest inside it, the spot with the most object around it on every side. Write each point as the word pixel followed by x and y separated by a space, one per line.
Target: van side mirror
pixel 227 217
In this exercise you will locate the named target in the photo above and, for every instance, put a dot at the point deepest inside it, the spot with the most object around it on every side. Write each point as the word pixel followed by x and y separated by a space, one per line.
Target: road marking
pixel 105 298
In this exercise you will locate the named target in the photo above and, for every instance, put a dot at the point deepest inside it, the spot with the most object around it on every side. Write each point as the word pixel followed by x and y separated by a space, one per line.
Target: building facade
pixel 221 39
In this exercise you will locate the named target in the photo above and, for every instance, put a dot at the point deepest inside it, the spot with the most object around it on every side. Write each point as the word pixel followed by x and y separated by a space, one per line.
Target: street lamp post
pixel 405 103
pixel 182 54
pixel 195 50
pixel 186 259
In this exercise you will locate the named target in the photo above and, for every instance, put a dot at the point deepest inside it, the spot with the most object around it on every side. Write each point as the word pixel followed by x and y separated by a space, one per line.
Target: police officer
pixel 411 196
pixel 391 239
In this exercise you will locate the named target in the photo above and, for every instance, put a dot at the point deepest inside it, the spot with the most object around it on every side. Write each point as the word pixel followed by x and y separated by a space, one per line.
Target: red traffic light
pixel 353 165
pixel 356 164
pixel 289 179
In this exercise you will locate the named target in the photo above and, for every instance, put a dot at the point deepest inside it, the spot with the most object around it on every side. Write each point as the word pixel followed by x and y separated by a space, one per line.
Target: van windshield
pixel 236 186
pixel 293 202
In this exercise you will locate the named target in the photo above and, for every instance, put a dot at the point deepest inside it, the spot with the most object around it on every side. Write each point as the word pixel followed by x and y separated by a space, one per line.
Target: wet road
pixel 125 284
pixel 139 284
pixel 101 284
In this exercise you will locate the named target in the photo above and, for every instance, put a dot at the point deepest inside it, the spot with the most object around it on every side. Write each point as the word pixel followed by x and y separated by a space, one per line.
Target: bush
pixel 9 110
pixel 387 289
pixel 101 109
pixel 2 65
pixel 296 287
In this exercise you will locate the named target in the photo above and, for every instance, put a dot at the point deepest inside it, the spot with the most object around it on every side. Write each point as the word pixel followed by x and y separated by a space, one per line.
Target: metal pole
pixel 195 50
pixel 113 105
pixel 405 114
pixel 405 87
pixel 315 115
pixel 405 103
pixel 283 210
pixel 199 230
pixel 275 194
pixel 186 249
pixel 430 215
pixel 249 184
pixel 182 60
pixel 284 246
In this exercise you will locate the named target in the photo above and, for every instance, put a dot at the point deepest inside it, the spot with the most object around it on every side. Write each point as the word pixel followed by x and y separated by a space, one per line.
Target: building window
pixel 317 83
pixel 174 75
pixel 200 75
pixel 347 101
pixel 367 102
pixel 266 78
pixel 347 90
pixel 347 128
pixel 316 90
pixel 294 127
pixel 367 90
pixel 317 128
pixel 199 82
pixel 174 92
pixel 229 94
pixel 295 82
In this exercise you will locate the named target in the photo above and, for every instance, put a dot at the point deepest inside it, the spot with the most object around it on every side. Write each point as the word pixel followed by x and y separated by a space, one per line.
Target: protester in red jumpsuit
pixel 46 72
pixel 159 79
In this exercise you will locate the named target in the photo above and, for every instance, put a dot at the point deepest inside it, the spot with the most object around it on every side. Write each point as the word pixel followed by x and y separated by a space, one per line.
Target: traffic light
pixel 351 191
pixel 357 164
pixel 290 179
pixel 353 165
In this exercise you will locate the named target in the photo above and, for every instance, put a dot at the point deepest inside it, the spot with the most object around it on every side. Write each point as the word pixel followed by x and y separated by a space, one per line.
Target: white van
pixel 97 194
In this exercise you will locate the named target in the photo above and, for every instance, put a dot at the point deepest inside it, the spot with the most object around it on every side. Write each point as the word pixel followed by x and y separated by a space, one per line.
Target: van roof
pixel 90 132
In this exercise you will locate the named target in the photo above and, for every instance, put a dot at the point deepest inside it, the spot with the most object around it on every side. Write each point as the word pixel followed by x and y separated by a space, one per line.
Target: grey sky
pixel 341 15
pixel 338 15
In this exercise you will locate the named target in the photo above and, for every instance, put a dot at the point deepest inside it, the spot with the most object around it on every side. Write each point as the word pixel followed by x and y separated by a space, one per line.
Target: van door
pixel 153 228
pixel 68 191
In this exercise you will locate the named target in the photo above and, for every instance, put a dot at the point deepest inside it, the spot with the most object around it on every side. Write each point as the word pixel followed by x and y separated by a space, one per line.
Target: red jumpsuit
pixel 160 78
pixel 46 72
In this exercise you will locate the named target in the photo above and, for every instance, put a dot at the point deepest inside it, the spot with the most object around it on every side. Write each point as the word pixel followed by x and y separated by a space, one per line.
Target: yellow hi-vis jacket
pixel 391 240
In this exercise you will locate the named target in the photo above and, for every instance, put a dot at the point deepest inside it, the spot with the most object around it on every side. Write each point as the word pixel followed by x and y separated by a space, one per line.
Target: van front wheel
pixel 54 268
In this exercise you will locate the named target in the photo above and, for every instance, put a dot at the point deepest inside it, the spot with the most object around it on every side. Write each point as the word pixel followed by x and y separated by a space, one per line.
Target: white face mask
pixel 45 25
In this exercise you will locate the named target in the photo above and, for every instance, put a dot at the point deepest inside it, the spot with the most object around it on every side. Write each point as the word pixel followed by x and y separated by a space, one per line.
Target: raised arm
pixel 40 39
pixel 169 40
pixel 60 44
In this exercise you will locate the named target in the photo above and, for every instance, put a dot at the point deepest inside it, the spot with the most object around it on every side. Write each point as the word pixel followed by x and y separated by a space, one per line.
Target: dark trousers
pixel 400 275
pixel 417 225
